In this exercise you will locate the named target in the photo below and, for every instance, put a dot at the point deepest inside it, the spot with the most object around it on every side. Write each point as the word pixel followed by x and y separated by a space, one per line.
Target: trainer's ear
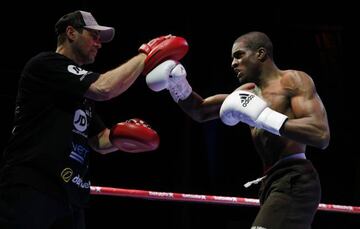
pixel 261 54
pixel 71 32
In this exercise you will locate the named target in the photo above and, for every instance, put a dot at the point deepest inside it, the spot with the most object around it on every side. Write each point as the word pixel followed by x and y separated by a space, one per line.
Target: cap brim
pixel 106 33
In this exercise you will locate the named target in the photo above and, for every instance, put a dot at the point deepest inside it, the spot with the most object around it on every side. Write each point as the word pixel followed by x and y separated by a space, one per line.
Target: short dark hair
pixel 254 40
pixel 73 19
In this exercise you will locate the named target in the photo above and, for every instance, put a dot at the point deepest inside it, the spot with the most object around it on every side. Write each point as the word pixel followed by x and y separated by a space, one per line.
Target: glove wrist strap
pixel 271 120
pixel 180 90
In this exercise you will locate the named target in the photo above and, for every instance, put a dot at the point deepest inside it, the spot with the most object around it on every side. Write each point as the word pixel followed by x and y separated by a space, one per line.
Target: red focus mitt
pixel 163 48
pixel 134 136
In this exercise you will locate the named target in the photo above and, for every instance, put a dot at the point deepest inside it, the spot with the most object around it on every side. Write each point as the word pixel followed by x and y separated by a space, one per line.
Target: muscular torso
pixel 289 92
pixel 271 147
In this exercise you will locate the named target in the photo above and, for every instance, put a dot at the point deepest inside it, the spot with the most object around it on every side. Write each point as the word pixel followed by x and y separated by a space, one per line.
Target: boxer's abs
pixel 272 148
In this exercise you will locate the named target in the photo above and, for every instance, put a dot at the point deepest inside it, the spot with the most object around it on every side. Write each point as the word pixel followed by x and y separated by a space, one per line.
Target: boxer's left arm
pixel 309 124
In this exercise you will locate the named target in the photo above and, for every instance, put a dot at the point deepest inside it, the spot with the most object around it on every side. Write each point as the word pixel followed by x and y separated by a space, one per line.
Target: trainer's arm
pixel 309 124
pixel 101 142
pixel 116 81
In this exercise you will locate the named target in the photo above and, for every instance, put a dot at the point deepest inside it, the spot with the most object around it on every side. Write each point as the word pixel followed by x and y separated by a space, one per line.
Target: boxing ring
pixel 185 197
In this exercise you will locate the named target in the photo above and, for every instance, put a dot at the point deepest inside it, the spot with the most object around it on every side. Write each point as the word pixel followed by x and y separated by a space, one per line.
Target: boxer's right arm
pixel 171 75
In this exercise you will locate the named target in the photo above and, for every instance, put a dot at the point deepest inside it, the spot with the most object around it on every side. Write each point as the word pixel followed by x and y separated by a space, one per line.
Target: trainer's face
pixel 87 45
pixel 244 63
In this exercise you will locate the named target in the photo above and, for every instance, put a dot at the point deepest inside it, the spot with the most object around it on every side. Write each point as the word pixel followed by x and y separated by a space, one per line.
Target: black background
pixel 208 158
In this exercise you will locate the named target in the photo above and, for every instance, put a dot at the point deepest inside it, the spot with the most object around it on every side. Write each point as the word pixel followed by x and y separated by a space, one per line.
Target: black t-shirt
pixel 49 148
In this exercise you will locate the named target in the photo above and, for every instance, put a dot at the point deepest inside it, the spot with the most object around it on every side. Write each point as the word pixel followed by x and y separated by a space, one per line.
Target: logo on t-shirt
pixel 77 71
pixel 80 120
pixel 79 152
pixel 66 174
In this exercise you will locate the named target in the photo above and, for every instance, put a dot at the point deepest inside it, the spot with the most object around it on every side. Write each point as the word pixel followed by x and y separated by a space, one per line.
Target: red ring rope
pixel 173 196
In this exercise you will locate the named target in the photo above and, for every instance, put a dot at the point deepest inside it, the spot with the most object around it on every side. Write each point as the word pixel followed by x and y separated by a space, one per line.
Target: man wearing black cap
pixel 44 179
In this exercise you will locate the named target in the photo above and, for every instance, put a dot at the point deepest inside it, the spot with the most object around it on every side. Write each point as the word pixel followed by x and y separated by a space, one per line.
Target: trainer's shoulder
pixel 42 58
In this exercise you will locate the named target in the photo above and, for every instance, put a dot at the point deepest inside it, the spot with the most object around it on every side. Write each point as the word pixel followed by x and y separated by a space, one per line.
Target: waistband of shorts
pixel 293 156
pixel 284 160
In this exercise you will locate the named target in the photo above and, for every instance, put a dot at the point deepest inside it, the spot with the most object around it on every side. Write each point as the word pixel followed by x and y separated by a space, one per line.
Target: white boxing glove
pixel 170 75
pixel 244 106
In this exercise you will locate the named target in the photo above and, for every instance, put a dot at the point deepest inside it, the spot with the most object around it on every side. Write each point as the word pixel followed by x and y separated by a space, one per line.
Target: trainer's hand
pixel 163 48
pixel 170 75
pixel 134 136
pixel 244 106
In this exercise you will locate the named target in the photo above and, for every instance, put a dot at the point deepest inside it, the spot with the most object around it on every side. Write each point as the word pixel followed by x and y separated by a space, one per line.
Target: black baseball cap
pixel 83 19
